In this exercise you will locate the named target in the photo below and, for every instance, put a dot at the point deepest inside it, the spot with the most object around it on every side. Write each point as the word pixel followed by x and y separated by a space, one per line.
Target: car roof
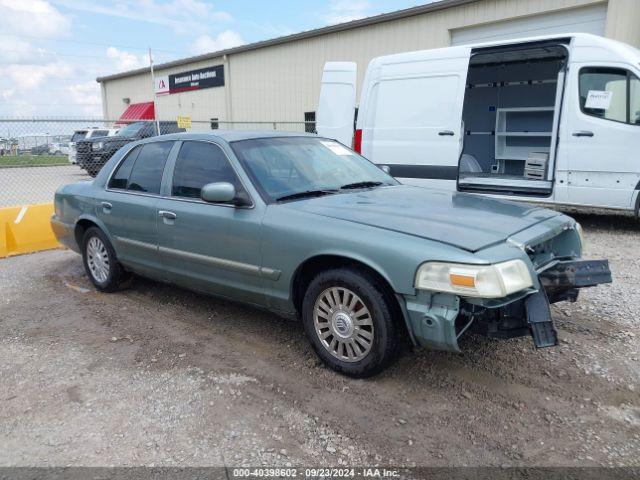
pixel 233 135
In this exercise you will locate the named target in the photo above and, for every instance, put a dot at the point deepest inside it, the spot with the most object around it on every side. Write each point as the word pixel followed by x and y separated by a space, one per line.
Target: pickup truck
pixel 93 153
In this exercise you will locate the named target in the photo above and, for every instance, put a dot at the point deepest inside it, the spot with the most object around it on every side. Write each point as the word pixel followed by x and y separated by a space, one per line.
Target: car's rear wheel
pixel 348 316
pixel 100 261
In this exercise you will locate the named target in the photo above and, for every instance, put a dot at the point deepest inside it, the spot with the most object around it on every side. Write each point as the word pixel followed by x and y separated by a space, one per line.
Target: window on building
pixel 198 164
pixel 146 175
pixel 214 124
pixel 611 94
pixel 310 117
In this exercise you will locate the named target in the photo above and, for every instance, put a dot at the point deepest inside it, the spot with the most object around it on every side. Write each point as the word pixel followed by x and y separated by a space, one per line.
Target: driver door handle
pixel 166 214
pixel 446 133
pixel 583 133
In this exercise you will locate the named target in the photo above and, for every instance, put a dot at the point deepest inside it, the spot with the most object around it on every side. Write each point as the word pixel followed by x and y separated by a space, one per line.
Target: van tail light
pixel 357 141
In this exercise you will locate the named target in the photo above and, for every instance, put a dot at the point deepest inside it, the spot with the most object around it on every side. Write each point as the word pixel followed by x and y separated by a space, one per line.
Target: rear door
pixel 410 115
pixel 602 138
pixel 128 206
pixel 336 107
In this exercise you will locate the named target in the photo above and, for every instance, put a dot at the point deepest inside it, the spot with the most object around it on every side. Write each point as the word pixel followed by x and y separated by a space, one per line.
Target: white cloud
pixel 36 18
pixel 222 41
pixel 29 77
pixel 341 11
pixel 125 60
pixel 182 16
pixel 16 50
pixel 33 80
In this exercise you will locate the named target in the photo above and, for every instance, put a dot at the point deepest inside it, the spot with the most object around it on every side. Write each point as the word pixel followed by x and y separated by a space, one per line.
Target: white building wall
pixel 281 82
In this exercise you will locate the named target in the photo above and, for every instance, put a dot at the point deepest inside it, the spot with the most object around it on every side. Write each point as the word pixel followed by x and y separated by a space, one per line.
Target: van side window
pixel 634 100
pixel 610 94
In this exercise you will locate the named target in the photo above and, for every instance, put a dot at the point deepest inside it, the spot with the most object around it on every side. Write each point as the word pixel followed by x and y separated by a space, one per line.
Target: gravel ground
pixel 156 375
pixel 24 185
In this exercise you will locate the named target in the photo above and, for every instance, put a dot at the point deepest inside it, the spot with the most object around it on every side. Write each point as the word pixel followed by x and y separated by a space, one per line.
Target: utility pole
pixel 153 92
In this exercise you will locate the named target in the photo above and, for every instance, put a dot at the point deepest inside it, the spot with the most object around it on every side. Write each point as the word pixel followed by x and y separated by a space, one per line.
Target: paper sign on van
pixel 336 148
pixel 599 99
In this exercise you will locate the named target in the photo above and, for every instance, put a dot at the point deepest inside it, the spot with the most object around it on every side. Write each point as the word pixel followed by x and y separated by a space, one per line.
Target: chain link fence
pixel 37 156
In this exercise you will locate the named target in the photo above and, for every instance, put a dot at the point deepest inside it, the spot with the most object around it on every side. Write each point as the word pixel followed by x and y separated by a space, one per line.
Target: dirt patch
pixel 156 375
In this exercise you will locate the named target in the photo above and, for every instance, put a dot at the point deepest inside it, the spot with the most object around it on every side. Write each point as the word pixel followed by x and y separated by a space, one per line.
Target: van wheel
pixel 100 262
pixel 348 318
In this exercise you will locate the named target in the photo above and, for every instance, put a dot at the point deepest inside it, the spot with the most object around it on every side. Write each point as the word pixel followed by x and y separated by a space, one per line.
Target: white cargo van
pixel 551 119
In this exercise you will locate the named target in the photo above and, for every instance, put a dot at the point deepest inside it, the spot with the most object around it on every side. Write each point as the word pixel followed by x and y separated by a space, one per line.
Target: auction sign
pixel 192 80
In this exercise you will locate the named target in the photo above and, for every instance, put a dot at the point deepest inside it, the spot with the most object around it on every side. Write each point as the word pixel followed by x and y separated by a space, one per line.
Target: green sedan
pixel 305 227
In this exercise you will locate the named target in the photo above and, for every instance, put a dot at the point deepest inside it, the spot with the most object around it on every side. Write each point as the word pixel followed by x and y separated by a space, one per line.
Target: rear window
pixel 146 174
pixel 121 176
pixel 77 136
pixel 99 133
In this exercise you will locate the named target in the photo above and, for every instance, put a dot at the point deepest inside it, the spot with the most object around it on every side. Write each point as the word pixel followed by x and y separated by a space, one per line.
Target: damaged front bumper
pixel 437 320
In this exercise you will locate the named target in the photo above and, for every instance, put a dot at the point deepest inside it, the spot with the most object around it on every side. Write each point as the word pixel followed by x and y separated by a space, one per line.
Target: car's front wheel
pixel 348 316
pixel 100 262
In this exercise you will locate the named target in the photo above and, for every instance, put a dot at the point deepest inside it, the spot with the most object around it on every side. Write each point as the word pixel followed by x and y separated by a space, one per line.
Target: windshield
pixel 286 166
pixel 130 130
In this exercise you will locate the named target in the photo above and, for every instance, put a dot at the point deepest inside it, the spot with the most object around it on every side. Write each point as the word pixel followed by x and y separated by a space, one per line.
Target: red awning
pixel 136 112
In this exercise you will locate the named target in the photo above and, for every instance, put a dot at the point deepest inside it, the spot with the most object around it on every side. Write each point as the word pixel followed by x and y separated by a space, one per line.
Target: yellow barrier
pixel 26 229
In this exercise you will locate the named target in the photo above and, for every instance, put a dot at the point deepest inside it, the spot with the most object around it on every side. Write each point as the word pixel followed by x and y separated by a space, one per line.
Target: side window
pixel 146 175
pixel 604 93
pixel 121 176
pixel 199 163
pixel 634 100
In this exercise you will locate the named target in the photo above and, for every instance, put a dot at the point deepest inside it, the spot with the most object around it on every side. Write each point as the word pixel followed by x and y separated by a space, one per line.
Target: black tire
pixel 116 275
pixel 381 305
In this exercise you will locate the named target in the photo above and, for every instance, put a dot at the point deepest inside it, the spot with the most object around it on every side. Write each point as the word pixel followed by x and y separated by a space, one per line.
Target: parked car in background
pixel 42 149
pixel 84 134
pixel 93 153
pixel 552 119
pixel 305 227
pixel 60 146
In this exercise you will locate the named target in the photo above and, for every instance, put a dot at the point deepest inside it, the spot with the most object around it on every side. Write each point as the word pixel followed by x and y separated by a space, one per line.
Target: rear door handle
pixel 167 215
pixel 446 133
pixel 583 133
pixel 106 207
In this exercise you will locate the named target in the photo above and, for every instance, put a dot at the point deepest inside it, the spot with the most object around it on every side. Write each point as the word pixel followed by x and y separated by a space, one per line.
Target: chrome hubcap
pixel 97 259
pixel 343 324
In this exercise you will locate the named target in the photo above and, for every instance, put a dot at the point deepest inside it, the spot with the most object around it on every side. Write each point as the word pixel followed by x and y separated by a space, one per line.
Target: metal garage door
pixel 586 20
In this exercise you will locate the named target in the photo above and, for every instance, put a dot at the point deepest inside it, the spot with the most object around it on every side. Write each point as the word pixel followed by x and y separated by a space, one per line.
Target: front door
pixel 602 138
pixel 210 247
pixel 128 206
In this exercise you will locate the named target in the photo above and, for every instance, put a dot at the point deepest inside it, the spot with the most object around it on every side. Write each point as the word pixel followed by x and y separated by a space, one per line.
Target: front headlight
pixel 486 281
pixel 97 146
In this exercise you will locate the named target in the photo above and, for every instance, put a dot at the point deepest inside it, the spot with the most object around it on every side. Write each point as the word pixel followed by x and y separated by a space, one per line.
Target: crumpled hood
pixel 463 220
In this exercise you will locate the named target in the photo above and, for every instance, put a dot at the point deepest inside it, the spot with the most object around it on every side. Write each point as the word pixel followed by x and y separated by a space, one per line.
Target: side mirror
pixel 386 169
pixel 219 192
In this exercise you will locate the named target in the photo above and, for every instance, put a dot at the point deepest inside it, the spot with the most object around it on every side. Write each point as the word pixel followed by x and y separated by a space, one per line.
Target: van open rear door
pixel 336 107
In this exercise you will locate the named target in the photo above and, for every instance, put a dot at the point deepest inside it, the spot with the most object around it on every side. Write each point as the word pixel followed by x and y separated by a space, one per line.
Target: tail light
pixel 357 141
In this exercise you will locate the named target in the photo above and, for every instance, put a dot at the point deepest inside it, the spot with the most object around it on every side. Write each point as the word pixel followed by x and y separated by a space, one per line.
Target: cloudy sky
pixel 51 51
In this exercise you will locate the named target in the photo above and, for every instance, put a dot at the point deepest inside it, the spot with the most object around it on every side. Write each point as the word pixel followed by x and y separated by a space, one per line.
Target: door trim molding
pixel 136 243
pixel 240 267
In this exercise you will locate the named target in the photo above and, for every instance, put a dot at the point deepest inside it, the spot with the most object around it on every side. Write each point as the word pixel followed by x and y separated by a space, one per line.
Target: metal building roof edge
pixel 363 22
